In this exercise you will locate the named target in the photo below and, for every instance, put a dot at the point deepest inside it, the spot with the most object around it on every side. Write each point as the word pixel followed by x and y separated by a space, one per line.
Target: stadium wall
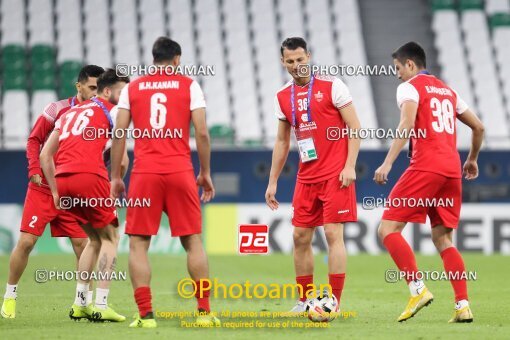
pixel 241 179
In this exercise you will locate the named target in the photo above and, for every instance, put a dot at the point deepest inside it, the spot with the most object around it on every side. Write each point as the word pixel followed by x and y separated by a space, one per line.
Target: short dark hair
pixel 413 51
pixel 109 78
pixel 88 71
pixel 293 44
pixel 165 49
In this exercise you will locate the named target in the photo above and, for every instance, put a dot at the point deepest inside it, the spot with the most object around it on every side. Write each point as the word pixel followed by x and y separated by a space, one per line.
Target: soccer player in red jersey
pixel 313 105
pixel 79 172
pixel 426 103
pixel 162 170
pixel 38 209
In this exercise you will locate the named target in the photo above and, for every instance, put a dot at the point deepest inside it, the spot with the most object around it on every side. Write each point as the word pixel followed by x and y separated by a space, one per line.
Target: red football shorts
pixel 39 210
pixel 92 190
pixel 431 194
pixel 176 194
pixel 324 202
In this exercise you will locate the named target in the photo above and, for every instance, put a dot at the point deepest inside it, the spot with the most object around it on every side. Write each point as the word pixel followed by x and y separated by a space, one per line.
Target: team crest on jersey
pixel 319 96
pixel 304 117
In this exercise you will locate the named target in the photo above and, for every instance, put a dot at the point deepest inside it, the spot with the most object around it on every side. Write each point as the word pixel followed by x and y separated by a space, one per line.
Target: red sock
pixel 336 281
pixel 143 299
pixel 304 281
pixel 202 295
pixel 402 255
pixel 453 263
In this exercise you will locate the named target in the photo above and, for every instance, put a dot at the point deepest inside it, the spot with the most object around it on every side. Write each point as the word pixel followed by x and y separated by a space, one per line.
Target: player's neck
pixel 79 98
pixel 302 81
pixel 103 98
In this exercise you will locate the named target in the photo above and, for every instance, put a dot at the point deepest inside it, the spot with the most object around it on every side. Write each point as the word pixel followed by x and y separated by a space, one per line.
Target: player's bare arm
pixel 48 165
pixel 470 168
pixel 348 174
pixel 34 144
pixel 203 141
pixel 124 165
pixel 407 119
pixel 280 153
pixel 119 153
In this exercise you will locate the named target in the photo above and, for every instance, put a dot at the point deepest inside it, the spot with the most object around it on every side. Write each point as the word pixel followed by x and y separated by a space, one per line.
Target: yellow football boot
pixel 415 304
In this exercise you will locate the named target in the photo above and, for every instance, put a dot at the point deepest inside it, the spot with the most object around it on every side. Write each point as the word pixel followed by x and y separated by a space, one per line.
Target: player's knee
pixel 137 244
pixel 385 229
pixel 191 241
pixel 441 242
pixel 95 243
pixel 79 245
pixel 333 236
pixel 301 239
pixel 26 244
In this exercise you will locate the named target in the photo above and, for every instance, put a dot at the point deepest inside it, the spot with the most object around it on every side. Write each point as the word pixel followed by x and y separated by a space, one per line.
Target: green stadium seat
pixel 222 133
pixel 71 66
pixel 470 4
pixel 67 90
pixel 42 57
pixel 252 143
pixel 438 5
pixel 14 80
pixel 500 19
pixel 43 80
pixel 68 74
pixel 13 57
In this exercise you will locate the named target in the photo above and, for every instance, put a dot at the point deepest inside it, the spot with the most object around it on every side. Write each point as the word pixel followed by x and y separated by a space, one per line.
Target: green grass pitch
pixel 42 309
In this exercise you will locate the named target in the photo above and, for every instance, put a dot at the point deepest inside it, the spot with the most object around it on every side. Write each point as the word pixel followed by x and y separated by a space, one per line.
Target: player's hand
pixel 56 200
pixel 117 187
pixel 381 174
pixel 271 201
pixel 37 179
pixel 470 170
pixel 347 176
pixel 205 182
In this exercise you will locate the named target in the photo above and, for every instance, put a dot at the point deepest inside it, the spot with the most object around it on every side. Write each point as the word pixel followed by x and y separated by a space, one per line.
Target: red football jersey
pixel 38 136
pixel 161 108
pixel 329 94
pixel 77 154
pixel 438 107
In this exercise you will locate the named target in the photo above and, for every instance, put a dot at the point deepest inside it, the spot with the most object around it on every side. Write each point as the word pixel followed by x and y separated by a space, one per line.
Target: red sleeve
pixel 42 128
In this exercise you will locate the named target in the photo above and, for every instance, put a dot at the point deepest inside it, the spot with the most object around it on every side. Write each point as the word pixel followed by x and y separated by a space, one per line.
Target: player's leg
pixel 307 214
pixel 65 224
pixel 303 263
pixel 107 261
pixel 182 206
pixel 337 257
pixel 417 185
pixel 103 220
pixel 141 224
pixel 390 233
pixel 444 220
pixel 38 210
pixel 339 206
pixel 19 257
pixel 79 244
pixel 455 268
pixel 140 274
pixel 88 259
pixel 17 264
pixel 198 269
